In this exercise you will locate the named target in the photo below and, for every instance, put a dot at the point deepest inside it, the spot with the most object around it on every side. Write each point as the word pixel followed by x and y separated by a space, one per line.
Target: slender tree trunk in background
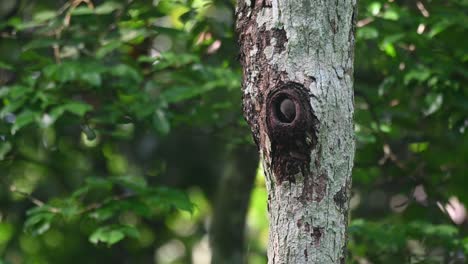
pixel 230 206
pixel 298 100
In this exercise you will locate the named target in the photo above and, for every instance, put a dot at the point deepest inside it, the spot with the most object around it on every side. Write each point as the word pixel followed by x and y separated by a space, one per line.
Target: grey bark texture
pixel 301 51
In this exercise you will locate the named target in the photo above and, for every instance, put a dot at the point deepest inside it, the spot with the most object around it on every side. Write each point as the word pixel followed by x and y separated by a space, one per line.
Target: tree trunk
pixel 298 100
pixel 230 206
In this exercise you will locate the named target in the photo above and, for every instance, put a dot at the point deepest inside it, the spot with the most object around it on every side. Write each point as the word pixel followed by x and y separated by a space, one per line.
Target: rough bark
pixel 301 51
pixel 230 207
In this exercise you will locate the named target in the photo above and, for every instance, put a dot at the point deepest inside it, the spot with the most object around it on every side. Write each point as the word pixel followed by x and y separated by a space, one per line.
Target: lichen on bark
pixel 306 46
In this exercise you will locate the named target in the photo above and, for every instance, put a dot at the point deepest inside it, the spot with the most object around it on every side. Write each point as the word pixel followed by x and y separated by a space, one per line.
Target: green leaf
pixel 103 213
pixel 25 118
pixel 76 108
pixel 40 43
pixel 82 71
pixel 99 183
pixel 5 148
pixel 170 59
pixel 16 92
pixel 465 244
pixel 107 8
pixel 435 230
pixel 93 78
pixel 367 32
pixel 62 73
pixel 391 14
pixel 433 102
pixel 174 198
pixel 108 48
pixel 419 147
pixel 125 71
pixel 113 234
pixel 439 27
pixel 6 232
pixel 39 221
pixel 44 15
pixel 389 49
pixel 134 183
pixel 419 74
pixel 91 184
pixel 374 8
pixel 106 236
pixel 70 210
pixel 5 66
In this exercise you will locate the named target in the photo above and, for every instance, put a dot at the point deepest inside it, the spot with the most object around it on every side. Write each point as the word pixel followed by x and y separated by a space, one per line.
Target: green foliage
pixel 85 83
pixel 410 129
pixel 94 200
pixel 112 234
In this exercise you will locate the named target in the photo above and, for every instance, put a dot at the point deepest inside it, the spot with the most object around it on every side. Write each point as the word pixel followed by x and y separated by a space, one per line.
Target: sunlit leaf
pixel 374 8
pixel 419 146
pixel 433 102
pixel 389 49
pixel 112 234
pixel 6 232
pixel 38 222
pixel 391 14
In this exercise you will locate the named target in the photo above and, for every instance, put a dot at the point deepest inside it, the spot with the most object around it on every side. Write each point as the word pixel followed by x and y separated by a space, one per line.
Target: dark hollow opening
pixel 285 109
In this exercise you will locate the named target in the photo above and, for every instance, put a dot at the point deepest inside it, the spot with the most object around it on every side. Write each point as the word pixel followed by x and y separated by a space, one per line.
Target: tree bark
pixel 297 58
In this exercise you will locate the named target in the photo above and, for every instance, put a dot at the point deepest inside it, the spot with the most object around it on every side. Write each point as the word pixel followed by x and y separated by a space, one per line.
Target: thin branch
pixel 95 206
pixel 33 199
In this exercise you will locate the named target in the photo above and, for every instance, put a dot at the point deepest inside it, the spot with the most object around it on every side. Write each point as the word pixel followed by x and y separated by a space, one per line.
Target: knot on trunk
pixel 291 127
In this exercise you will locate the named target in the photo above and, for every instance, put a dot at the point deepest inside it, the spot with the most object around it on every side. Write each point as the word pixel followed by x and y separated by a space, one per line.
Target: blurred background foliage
pixel 119 118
